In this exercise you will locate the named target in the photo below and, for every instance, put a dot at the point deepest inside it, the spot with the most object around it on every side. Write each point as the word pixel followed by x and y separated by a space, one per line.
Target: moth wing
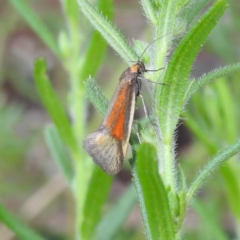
pixel 105 150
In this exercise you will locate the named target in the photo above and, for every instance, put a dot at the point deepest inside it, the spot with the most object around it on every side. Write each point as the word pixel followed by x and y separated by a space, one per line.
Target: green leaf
pixel 97 46
pixel 172 97
pixel 108 31
pixel 149 11
pixel 36 24
pixel 59 152
pixel 97 193
pixel 152 195
pixel 114 218
pixel 53 106
pixel 22 231
pixel 211 167
pixel 96 96
pixel 196 84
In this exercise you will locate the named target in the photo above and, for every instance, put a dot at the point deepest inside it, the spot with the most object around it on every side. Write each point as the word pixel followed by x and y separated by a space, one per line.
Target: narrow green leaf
pixel 149 11
pixel 152 196
pixel 115 217
pixel 53 106
pixel 171 98
pixel 59 152
pixel 209 221
pixel 211 167
pixel 96 96
pixel 97 45
pixel 98 190
pixel 108 31
pixel 36 24
pixel 22 231
pixel 196 84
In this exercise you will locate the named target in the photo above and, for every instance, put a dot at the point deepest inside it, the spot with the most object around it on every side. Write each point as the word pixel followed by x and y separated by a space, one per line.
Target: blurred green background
pixel 31 185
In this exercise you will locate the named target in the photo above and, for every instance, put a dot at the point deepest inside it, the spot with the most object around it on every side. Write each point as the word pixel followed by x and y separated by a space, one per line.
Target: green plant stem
pixel 82 169
pixel 80 191
pixel 168 155
pixel 77 88
pixel 77 107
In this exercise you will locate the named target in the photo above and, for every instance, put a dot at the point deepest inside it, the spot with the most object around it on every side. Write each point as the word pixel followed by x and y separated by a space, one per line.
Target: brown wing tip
pixel 105 151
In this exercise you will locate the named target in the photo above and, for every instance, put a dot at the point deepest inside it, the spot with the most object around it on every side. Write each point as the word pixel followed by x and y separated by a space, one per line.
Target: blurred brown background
pixel 31 185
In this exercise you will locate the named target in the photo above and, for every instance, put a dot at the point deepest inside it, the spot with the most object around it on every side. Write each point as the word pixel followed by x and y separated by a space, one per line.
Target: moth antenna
pixel 155 70
pixel 164 84
pixel 151 44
